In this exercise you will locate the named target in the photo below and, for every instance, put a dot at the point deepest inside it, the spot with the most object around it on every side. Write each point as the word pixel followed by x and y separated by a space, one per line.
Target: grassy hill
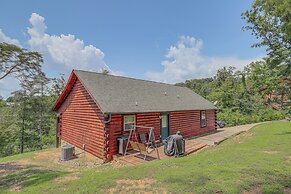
pixel 255 161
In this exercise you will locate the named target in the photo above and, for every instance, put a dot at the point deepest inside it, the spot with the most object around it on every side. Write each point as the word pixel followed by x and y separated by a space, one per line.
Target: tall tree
pixel 270 22
pixel 42 82
pixel 58 85
pixel 38 89
pixel 19 62
pixel 19 102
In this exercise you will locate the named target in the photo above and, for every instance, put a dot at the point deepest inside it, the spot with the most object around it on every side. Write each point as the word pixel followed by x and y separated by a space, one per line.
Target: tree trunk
pixel 41 116
pixel 22 135
pixel 57 132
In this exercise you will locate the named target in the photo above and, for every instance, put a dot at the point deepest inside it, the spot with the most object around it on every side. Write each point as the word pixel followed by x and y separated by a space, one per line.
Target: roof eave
pixel 155 111
pixel 66 91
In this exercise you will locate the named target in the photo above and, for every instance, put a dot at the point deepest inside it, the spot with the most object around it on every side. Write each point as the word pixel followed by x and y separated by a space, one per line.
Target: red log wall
pixel 115 128
pixel 81 121
pixel 188 122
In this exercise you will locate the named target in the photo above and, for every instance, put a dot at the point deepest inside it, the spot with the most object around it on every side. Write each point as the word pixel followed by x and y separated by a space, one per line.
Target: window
pixel 128 122
pixel 203 119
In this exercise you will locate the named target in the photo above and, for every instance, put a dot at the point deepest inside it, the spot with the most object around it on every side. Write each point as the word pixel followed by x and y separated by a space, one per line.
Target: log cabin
pixel 94 109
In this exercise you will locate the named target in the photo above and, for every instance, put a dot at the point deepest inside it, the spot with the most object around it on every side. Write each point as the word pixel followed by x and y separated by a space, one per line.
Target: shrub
pixel 233 118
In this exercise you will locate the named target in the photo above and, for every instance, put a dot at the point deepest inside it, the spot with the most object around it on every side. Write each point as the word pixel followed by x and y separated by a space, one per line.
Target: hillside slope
pixel 255 161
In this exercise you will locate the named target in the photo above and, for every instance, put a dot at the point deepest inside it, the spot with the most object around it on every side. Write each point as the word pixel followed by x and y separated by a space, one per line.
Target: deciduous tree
pixel 270 22
pixel 18 62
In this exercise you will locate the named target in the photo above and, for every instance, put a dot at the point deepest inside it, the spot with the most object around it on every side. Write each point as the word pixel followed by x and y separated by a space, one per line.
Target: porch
pixel 134 157
pixel 191 145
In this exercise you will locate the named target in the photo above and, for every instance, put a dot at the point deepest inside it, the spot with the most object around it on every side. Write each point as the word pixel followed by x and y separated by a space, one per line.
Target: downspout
pixel 108 121
pixel 105 136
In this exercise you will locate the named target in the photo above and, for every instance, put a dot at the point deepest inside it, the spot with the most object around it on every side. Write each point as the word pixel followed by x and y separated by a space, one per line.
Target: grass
pixel 22 156
pixel 17 157
pixel 259 159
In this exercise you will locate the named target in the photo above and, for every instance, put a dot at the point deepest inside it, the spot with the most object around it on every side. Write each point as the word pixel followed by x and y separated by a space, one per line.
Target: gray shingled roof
pixel 116 94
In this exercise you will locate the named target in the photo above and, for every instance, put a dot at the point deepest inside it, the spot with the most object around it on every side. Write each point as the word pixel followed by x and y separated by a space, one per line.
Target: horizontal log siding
pixel 188 122
pixel 115 128
pixel 149 120
pixel 81 121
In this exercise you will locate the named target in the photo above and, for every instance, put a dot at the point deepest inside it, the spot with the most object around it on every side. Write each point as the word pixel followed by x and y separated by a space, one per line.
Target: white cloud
pixel 7 39
pixel 185 61
pixel 63 50
pixel 61 53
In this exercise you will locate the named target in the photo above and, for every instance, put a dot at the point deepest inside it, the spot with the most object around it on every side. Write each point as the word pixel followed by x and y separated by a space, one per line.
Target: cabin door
pixel 165 125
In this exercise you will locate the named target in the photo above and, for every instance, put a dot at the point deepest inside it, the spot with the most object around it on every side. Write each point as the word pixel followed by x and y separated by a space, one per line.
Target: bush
pixel 233 118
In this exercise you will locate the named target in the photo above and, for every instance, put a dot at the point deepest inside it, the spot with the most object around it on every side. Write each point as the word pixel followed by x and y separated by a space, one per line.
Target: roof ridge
pixel 124 77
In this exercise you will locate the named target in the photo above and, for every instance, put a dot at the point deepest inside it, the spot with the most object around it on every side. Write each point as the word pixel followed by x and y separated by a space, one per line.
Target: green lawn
pixel 258 160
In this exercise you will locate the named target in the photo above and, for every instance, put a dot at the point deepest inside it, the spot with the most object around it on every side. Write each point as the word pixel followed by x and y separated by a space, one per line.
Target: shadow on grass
pixel 8 167
pixel 28 176
pixel 284 133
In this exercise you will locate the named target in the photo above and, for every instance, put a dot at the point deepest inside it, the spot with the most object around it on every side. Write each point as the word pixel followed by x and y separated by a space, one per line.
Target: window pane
pixel 164 121
pixel 128 126
pixel 128 122
pixel 129 119
pixel 203 119
pixel 203 115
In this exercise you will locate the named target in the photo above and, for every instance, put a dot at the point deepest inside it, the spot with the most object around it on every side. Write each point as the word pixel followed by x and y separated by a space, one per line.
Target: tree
pixel 2 102
pixel 261 77
pixel 58 85
pixel 37 89
pixel 270 22
pixel 8 130
pixel 224 73
pixel 203 86
pixel 42 82
pixel 19 62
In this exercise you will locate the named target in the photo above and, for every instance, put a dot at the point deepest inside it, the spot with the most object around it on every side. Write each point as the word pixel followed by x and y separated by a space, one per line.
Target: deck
pixel 135 158
pixel 192 145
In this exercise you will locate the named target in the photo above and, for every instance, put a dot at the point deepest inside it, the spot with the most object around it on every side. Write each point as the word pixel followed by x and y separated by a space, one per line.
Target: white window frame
pixel 124 123
pixel 201 119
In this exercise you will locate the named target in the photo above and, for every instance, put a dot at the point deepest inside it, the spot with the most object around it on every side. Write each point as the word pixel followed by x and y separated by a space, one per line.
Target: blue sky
pixel 168 41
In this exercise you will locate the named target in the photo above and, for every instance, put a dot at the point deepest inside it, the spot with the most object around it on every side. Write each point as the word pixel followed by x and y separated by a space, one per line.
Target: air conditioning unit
pixel 68 151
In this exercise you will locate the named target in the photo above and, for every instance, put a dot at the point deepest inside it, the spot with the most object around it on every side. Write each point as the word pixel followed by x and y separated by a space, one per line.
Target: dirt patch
pixel 238 138
pixel 248 134
pixel 15 188
pixel 48 155
pixel 136 186
pixel 50 159
pixel 79 163
pixel 287 190
pixel 9 167
pixel 119 163
pixel 81 160
pixel 25 162
pixel 254 190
